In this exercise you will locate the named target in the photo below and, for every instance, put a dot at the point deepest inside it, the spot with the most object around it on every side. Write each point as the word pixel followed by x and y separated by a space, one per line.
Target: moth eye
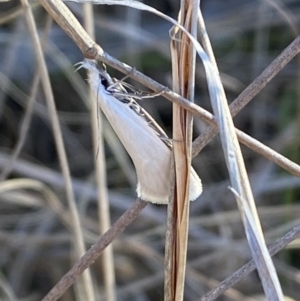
pixel 104 81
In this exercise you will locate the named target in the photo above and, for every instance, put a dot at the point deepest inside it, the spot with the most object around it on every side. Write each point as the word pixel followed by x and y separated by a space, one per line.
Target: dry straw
pixel 229 137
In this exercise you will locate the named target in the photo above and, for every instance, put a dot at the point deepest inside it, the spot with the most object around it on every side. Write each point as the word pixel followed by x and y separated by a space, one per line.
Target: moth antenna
pixel 80 64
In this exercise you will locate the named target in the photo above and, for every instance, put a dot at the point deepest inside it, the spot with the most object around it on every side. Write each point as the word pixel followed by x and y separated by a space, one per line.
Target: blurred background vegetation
pixel 35 243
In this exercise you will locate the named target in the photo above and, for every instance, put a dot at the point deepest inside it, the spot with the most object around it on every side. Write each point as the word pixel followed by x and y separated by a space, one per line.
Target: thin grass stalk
pixel 13 13
pixel 6 288
pixel 169 241
pixel 78 236
pixel 286 14
pixel 103 210
pixel 186 63
pixel 172 219
pixel 25 124
pixel 183 70
pixel 100 173
pixel 241 186
pixel 9 58
pixel 261 45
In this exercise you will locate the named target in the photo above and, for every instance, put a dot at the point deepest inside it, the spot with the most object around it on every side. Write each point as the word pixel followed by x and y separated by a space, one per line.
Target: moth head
pixel 98 76
pixel 105 79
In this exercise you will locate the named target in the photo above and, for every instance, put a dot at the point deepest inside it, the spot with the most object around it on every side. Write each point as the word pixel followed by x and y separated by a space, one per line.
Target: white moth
pixel 146 143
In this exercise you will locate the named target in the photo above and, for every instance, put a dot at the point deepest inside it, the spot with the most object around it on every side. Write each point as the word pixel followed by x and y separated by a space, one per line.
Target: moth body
pixel 150 155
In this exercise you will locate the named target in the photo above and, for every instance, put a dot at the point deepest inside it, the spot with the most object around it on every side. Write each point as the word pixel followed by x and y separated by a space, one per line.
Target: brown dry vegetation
pixel 38 225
